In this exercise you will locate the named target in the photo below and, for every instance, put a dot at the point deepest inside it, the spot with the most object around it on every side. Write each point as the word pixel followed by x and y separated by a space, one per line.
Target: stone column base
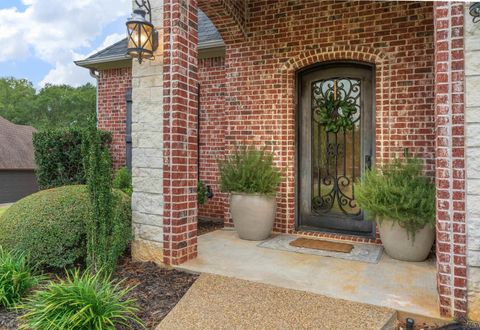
pixel 147 251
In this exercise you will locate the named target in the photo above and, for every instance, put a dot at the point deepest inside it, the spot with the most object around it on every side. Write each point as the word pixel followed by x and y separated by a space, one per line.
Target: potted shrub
pixel 403 203
pixel 251 178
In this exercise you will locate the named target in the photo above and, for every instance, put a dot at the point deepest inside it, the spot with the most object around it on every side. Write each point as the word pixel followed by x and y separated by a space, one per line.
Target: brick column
pixel 180 130
pixel 450 159
pixel 472 119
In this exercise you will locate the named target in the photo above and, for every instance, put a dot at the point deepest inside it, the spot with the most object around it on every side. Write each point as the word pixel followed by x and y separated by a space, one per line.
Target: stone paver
pixel 218 302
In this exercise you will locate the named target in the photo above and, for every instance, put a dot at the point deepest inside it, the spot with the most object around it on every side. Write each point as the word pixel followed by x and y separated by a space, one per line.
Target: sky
pixel 40 39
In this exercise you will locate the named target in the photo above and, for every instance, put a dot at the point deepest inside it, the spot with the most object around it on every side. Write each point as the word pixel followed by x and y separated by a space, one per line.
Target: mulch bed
pixel 206 226
pixel 458 325
pixel 157 290
pixel 8 320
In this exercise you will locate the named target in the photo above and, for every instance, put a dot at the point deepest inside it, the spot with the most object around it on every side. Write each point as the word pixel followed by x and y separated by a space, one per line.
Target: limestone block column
pixel 147 151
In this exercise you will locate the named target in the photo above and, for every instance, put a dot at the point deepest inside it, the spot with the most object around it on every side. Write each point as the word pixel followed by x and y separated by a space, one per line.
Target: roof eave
pixel 208 47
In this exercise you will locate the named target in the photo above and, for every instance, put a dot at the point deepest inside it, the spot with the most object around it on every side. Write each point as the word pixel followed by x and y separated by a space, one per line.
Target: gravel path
pixel 217 302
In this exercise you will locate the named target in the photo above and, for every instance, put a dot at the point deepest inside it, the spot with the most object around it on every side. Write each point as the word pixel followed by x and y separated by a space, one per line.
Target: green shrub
pixel 123 181
pixel 59 157
pixel 399 193
pixel 17 277
pixel 105 231
pixel 49 226
pixel 201 192
pixel 80 302
pixel 249 171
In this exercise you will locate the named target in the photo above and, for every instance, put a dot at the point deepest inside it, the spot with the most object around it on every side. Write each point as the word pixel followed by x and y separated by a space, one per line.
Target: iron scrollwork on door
pixel 335 145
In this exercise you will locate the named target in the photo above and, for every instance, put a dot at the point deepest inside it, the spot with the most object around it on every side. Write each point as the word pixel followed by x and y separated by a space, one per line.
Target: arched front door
pixel 335 146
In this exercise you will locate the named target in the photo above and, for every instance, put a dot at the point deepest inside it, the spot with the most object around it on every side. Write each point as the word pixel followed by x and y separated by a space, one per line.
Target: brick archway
pixel 287 75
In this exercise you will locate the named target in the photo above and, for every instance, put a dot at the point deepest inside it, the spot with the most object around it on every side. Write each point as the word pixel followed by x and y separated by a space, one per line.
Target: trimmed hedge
pixel 59 156
pixel 49 226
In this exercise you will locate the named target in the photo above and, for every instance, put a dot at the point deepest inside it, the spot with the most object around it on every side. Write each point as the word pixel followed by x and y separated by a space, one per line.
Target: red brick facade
pixel 112 109
pixel 180 131
pixel 249 97
pixel 450 158
pixel 212 131
pixel 283 38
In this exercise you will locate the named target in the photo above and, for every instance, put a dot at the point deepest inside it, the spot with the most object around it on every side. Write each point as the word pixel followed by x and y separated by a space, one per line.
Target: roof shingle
pixel 16 147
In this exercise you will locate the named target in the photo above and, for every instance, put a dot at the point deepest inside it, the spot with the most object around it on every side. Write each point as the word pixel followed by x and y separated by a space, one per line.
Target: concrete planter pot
pixel 400 246
pixel 253 215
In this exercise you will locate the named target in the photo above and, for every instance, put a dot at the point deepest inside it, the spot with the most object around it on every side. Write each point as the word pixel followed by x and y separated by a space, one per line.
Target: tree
pixel 17 99
pixel 64 106
pixel 54 106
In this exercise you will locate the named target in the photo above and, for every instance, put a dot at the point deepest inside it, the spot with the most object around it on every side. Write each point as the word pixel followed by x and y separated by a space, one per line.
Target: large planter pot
pixel 400 246
pixel 253 215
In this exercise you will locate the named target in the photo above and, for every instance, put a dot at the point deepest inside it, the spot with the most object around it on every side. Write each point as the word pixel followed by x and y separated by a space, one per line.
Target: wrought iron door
pixel 335 129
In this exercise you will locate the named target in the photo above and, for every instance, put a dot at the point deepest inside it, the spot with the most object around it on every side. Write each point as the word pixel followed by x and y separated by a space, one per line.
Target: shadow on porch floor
pixel 404 286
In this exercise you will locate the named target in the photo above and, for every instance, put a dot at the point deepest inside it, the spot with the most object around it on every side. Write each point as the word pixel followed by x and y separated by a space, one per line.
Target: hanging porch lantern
pixel 475 11
pixel 142 36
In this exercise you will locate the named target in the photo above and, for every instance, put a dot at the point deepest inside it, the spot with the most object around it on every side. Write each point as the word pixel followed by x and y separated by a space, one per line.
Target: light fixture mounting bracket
pixel 145 4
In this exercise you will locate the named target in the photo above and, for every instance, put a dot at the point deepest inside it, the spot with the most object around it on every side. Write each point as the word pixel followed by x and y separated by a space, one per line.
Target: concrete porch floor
pixel 403 286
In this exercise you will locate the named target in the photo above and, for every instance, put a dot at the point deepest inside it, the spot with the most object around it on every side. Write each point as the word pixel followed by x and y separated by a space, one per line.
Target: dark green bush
pixel 249 170
pixel 123 181
pixel 400 193
pixel 80 302
pixel 59 156
pixel 49 226
pixel 105 231
pixel 201 192
pixel 17 277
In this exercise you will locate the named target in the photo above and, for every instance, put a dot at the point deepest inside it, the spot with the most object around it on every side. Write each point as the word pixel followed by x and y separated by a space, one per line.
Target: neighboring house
pixel 17 162
pixel 418 67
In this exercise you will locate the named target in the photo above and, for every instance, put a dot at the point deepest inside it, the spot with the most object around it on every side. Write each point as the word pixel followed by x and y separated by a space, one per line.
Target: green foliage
pixel 65 106
pixel 106 239
pixel 17 99
pixel 80 302
pixel 59 157
pixel 123 181
pixel 52 107
pixel 49 226
pixel 17 277
pixel 249 171
pixel 201 192
pixel 336 113
pixel 399 193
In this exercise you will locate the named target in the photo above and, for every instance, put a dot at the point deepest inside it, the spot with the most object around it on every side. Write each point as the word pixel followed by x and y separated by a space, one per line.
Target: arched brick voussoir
pixel 230 17
pixel 317 55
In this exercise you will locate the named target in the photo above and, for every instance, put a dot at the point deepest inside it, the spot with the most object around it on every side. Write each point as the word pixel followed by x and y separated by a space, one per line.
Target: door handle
pixel 368 162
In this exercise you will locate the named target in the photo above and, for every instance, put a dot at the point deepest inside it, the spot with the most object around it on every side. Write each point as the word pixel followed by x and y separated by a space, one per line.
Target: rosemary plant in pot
pixel 251 178
pixel 403 202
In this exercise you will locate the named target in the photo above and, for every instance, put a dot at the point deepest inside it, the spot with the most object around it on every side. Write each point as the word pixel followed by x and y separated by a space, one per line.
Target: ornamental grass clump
pixel 17 277
pixel 399 193
pixel 250 171
pixel 81 302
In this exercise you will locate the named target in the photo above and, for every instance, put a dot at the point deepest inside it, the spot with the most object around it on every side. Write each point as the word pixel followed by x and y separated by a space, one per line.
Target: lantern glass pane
pixel 147 42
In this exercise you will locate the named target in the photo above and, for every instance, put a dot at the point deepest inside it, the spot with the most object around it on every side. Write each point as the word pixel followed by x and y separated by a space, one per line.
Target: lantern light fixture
pixel 142 36
pixel 475 11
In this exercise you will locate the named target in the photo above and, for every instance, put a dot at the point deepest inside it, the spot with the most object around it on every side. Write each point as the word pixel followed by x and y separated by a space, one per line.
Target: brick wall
pixel 212 131
pixel 112 109
pixel 450 158
pixel 472 153
pixel 180 90
pixel 112 117
pixel 283 37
